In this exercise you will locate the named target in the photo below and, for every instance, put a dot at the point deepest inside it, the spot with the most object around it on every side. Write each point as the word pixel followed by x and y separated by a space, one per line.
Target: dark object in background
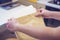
pixel 8 4
pixel 4 1
pixel 56 2
pixel 52 22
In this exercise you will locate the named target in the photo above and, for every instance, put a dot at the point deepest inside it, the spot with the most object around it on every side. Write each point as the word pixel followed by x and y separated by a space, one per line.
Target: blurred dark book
pixel 4 1
pixel 8 4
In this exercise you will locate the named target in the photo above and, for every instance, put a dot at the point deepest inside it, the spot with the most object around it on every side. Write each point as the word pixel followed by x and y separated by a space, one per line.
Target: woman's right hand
pixel 43 12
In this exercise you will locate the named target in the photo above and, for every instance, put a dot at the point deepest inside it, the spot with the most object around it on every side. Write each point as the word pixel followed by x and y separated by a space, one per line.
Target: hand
pixel 44 13
pixel 13 25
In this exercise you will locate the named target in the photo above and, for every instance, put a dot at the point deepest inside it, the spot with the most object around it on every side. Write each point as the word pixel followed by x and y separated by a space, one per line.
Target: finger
pixel 12 20
pixel 39 14
pixel 40 9
pixel 9 21
pixel 8 25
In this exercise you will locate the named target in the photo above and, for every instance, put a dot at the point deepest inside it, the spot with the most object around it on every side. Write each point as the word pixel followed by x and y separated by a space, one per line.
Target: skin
pixel 48 14
pixel 42 33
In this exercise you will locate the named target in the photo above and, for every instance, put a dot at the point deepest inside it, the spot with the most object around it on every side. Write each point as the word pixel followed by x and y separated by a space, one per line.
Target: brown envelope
pixel 29 20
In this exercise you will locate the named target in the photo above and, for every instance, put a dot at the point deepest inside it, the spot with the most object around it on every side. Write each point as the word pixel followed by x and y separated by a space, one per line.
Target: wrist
pixel 51 14
pixel 20 28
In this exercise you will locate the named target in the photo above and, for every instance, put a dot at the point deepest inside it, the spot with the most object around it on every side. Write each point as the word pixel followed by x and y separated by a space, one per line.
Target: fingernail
pixel 37 15
pixel 40 10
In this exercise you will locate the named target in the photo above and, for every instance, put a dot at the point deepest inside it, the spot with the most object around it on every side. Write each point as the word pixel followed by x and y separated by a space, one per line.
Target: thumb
pixel 39 14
